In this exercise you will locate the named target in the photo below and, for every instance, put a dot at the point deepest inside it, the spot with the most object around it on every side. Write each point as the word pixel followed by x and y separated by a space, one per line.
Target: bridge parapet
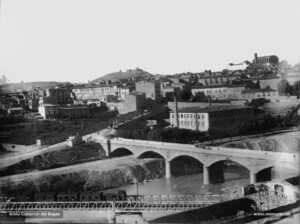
pixel 268 155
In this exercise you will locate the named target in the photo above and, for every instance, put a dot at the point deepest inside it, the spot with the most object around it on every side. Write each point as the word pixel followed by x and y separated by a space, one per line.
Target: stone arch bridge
pixel 254 161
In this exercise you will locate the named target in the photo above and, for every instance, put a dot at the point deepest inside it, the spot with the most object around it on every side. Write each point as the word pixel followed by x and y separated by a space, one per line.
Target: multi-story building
pixel 151 88
pixel 220 118
pixel 94 92
pixel 220 92
pixel 134 102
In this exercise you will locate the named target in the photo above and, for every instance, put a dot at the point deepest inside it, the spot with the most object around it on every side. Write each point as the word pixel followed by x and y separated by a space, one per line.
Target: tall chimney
pixel 255 58
pixel 176 110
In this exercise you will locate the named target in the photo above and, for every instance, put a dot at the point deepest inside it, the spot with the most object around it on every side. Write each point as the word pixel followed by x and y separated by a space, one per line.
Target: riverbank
pixel 91 176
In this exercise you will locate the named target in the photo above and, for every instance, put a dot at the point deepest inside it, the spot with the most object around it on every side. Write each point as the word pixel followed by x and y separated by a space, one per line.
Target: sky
pixel 80 40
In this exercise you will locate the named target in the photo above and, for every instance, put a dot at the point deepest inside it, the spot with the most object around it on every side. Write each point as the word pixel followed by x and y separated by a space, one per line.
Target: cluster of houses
pixel 228 85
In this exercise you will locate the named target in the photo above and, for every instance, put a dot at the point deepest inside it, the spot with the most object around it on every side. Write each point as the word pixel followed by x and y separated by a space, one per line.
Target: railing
pixel 105 206
pixel 265 200
pixel 203 197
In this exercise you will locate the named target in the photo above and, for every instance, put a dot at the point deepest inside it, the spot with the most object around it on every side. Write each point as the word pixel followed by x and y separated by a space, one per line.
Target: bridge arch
pixel 185 164
pixel 235 170
pixel 214 160
pixel 121 152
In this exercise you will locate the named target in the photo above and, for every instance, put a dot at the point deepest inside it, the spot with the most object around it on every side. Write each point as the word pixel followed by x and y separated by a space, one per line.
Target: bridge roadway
pixel 265 201
pixel 255 161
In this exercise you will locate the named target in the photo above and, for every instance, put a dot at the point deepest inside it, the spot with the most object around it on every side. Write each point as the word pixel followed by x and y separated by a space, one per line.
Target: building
pixel 267 93
pixel 204 119
pixel 96 92
pixel 55 96
pixel 49 110
pixel 75 112
pixel 134 102
pixel 265 60
pixel 15 111
pixel 217 79
pixel 269 81
pixel 150 88
pixel 53 110
pixel 109 98
pixel 219 92
pixel 33 104
pixel 116 106
pixel 292 77
pixel 239 66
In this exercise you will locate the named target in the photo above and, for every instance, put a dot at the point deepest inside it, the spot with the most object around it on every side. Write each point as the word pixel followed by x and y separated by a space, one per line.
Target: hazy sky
pixel 80 40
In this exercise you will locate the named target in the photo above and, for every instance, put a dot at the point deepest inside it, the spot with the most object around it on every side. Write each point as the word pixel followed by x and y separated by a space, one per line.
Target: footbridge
pixel 258 163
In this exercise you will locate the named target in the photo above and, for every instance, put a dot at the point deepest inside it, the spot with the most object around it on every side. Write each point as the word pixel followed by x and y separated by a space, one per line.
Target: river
pixel 235 177
pixel 189 184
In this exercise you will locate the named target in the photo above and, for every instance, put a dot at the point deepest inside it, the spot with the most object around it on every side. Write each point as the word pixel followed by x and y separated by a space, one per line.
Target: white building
pixel 203 119
pixel 239 66
pixel 96 92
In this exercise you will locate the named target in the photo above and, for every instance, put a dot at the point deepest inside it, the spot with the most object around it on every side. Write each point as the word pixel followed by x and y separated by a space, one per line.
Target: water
pixel 235 178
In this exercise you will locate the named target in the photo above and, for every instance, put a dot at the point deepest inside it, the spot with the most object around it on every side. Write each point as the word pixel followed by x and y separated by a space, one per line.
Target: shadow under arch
pixel 227 170
pixel 185 165
pixel 264 174
pixel 119 152
pixel 150 154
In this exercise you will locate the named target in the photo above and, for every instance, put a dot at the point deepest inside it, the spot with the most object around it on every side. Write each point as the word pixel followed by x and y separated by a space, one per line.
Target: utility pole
pixel 137 188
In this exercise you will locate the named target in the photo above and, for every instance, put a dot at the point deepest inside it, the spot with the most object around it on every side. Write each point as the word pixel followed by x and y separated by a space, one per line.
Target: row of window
pixel 189 115
pixel 191 123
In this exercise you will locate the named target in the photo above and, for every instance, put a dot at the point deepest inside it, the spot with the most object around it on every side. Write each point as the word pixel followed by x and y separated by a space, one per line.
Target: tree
pixel 3 80
pixel 185 94
pixel 258 102
pixel 282 86
pixel 199 97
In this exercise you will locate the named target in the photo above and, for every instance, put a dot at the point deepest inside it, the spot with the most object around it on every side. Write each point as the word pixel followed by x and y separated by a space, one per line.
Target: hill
pixel 27 86
pixel 129 74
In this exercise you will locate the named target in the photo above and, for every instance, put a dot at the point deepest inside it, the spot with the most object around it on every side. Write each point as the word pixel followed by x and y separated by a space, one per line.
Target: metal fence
pixel 264 200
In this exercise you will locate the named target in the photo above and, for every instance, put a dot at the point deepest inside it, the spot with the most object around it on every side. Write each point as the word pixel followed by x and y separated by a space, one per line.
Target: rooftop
pixel 218 86
pixel 212 109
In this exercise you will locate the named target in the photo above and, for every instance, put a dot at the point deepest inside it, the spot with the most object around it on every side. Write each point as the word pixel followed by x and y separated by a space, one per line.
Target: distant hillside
pixel 27 86
pixel 130 73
